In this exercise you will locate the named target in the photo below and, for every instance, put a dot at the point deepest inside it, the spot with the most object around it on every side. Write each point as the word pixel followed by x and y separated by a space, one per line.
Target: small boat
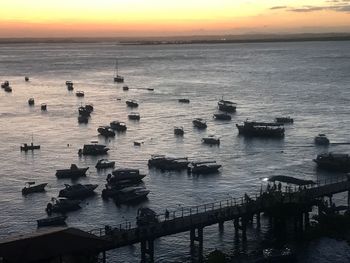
pixel 284 120
pixel 118 126
pixel 5 84
pixel 30 187
pixel 43 107
pixel 261 129
pixel 104 164
pixel 222 116
pixel 179 130
pixel 333 161
pixel 124 175
pixel 70 88
pixel 89 107
pixel 199 123
pixel 106 131
pixel 62 205
pixel 205 167
pixel 150 89
pixel 184 100
pixel 137 143
pixel 52 221
pixel 132 103
pixel 117 78
pixel 26 78
pixel 227 106
pixel 25 147
pixel 168 163
pixel 146 216
pixel 83 111
pixel 31 101
pixel 72 172
pixel 77 191
pixel 125 88
pixel 279 255
pixel 93 149
pixel 134 116
pixel 83 119
pixel 321 139
pixel 80 93
pixel 211 140
pixel 8 89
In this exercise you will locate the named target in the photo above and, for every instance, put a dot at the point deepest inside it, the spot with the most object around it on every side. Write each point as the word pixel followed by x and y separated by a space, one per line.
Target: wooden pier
pixel 293 203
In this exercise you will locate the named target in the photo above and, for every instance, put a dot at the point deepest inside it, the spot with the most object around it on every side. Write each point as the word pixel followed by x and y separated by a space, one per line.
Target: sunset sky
pixel 111 18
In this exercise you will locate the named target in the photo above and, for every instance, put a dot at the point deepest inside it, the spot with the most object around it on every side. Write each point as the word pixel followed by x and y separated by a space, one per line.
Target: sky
pixel 115 18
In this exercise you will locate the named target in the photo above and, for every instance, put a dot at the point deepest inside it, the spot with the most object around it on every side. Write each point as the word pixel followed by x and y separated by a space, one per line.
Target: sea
pixel 308 81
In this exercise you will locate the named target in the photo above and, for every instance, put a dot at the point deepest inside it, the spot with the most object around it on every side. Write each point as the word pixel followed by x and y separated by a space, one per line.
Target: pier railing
pixel 172 214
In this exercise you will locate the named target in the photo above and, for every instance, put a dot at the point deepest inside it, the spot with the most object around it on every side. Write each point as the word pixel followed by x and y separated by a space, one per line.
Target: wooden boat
pixel 43 107
pixel 93 149
pixel 321 139
pixel 184 100
pixel 179 130
pixel 72 172
pixel 199 123
pixel 117 77
pixel 30 187
pixel 134 116
pixel 284 120
pixel 222 116
pixel 118 126
pixel 132 103
pixel 62 205
pixel 25 147
pixel 106 131
pixel 333 161
pixel 77 191
pixel 80 93
pixel 52 221
pixel 31 101
pixel 104 164
pixel 211 140
pixel 205 167
pixel 227 106
pixel 261 129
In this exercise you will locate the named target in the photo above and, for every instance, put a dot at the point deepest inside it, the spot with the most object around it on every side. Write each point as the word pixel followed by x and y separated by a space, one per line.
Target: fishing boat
pixel 125 175
pixel 43 107
pixel 134 116
pixel 104 164
pixel 227 106
pixel 204 167
pixel 284 120
pixel 199 123
pixel 62 205
pixel 333 161
pixel 222 116
pixel 118 126
pixel 117 77
pixel 93 149
pixel 72 172
pixel 211 140
pixel 132 103
pixel 77 191
pixel 52 221
pixel 30 187
pixel 184 100
pixel 80 93
pixel 106 131
pixel 31 101
pixel 261 129
pixel 179 130
pixel 321 139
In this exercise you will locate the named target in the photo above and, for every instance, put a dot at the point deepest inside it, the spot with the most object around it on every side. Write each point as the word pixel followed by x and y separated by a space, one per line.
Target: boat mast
pixel 116 67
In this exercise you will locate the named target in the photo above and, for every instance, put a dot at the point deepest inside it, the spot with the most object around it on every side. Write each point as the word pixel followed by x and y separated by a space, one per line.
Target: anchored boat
pixel 72 172
pixel 30 187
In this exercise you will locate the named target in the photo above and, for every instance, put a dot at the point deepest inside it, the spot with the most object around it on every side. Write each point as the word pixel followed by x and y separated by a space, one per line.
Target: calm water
pixel 308 81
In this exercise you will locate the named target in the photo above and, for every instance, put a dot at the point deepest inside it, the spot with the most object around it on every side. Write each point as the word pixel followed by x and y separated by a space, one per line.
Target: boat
pixel 146 216
pixel 212 140
pixel 131 194
pixel 124 175
pixel 118 126
pixel 104 164
pixel 199 123
pixel 43 107
pixel 83 119
pixel 8 89
pixel 89 107
pixel 227 106
pixel 179 130
pixel 93 149
pixel 26 78
pixel 184 100
pixel 72 172
pixel 138 143
pixel 132 103
pixel 69 85
pixel 222 116
pixel 77 191
pixel 284 120
pixel 52 221
pixel 106 131
pixel 134 116
pixel 25 147
pixel 31 101
pixel 62 205
pixel 83 111
pixel 321 139
pixel 261 129
pixel 125 88
pixel 5 84
pixel 80 93
pixel 333 161
pixel 168 163
pixel 204 167
pixel 117 78
pixel 30 187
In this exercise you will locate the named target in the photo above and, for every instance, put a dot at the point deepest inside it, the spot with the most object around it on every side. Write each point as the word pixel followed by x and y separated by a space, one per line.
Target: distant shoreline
pixel 218 39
